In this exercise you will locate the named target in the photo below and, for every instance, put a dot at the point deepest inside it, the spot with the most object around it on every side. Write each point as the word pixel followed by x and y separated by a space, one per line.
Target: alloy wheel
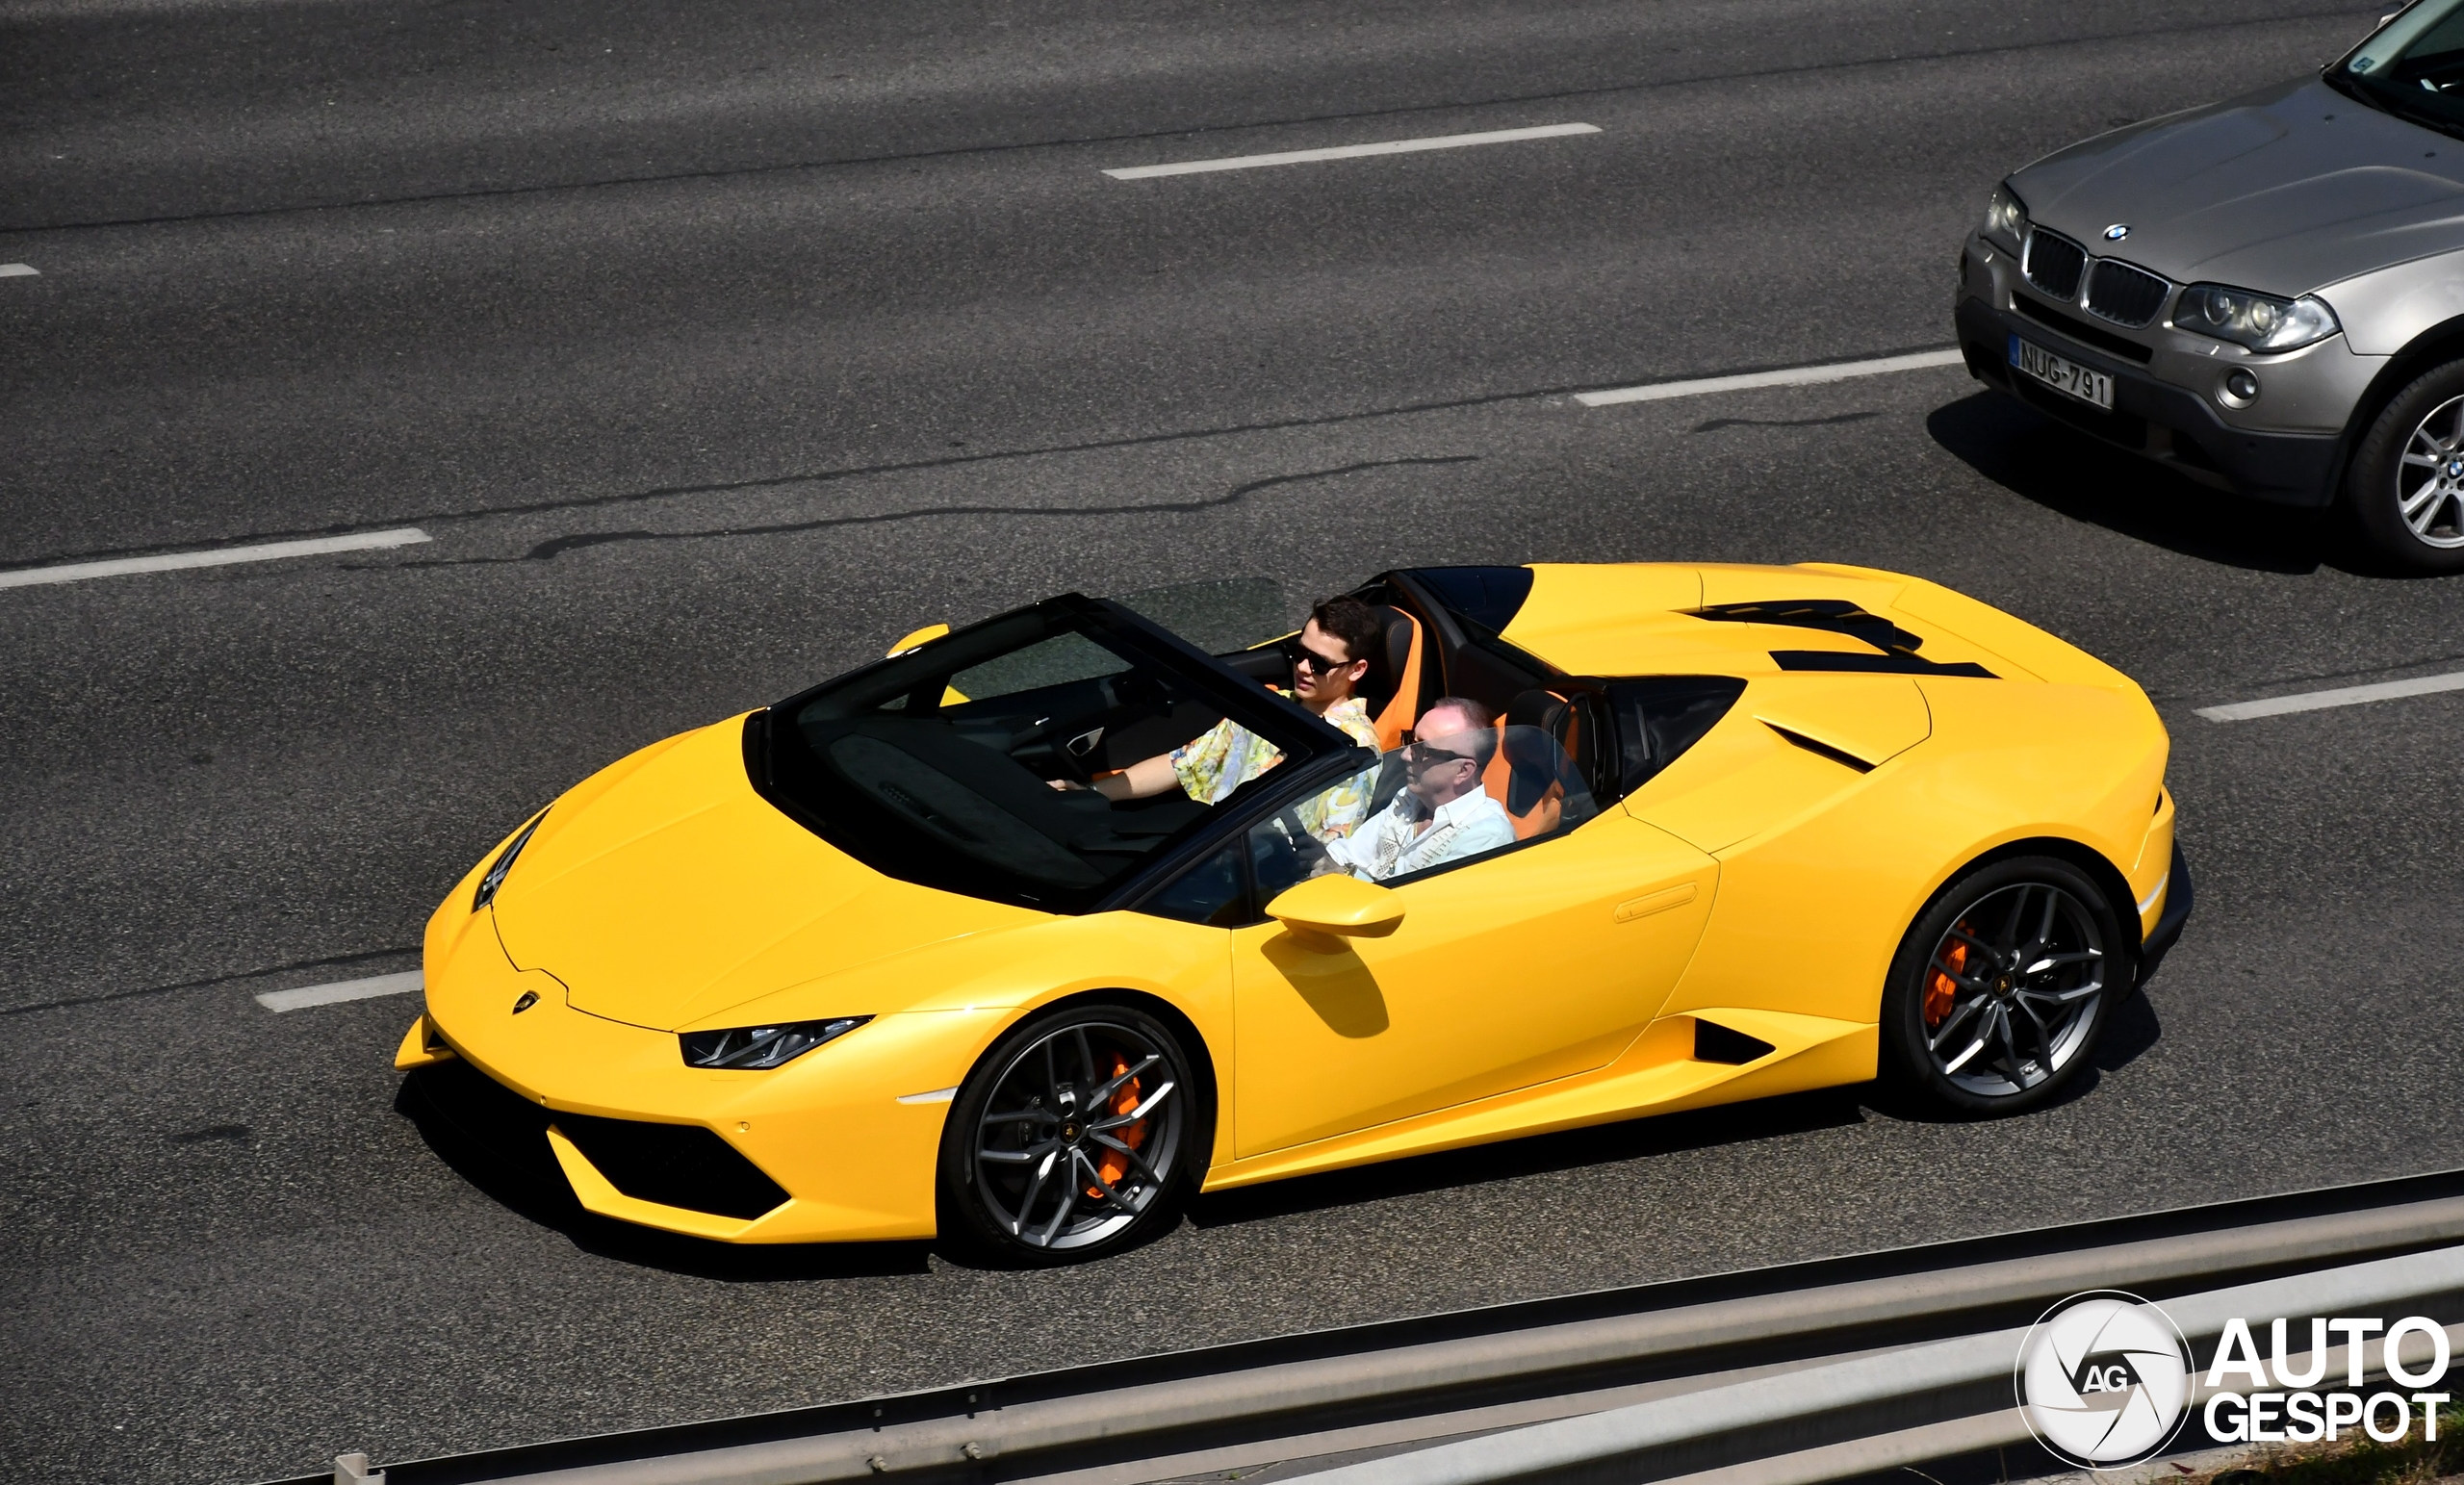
pixel 2011 991
pixel 2429 477
pixel 1081 1135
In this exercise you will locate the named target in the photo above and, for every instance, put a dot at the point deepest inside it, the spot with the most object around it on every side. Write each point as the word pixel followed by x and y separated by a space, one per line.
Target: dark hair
pixel 1354 623
pixel 1484 733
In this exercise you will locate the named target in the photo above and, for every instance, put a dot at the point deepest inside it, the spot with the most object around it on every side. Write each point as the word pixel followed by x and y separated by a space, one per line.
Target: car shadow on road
pixel 2073 475
pixel 498 1143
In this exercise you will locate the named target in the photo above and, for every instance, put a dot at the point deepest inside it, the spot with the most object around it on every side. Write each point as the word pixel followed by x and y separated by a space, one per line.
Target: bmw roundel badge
pixel 2117 232
pixel 528 999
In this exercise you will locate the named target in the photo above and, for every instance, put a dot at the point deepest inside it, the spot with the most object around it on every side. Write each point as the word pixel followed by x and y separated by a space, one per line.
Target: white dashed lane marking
pixel 308 995
pixel 1140 172
pixel 20 270
pixel 1786 376
pixel 216 556
pixel 2341 696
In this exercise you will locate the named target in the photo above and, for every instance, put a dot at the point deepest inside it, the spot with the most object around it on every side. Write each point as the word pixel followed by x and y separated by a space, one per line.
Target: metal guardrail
pixel 1940 1382
pixel 1717 1355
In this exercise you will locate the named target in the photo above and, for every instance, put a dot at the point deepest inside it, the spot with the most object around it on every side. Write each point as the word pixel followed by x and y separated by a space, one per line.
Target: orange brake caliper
pixel 1940 990
pixel 1111 1164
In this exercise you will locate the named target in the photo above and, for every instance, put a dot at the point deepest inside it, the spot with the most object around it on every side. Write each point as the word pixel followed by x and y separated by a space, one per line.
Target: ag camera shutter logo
pixel 2104 1380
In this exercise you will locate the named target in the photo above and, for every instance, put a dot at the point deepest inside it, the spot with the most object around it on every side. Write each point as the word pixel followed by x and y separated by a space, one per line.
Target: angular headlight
pixel 2006 220
pixel 763 1046
pixel 495 879
pixel 2259 320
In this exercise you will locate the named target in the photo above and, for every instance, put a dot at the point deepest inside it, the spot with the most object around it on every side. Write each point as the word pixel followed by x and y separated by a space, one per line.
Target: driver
pixel 1330 659
pixel 1444 814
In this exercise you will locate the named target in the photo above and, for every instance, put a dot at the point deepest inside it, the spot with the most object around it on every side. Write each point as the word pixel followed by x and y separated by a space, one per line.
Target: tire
pixel 2404 488
pixel 1105 1094
pixel 1965 1026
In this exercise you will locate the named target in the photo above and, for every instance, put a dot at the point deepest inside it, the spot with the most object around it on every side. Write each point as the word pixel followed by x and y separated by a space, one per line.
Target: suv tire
pixel 2424 419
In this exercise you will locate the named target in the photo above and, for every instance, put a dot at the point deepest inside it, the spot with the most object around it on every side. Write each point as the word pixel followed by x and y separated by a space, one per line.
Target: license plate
pixel 2067 377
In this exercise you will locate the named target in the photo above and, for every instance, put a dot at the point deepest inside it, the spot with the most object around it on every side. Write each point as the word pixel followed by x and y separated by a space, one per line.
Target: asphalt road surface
pixel 715 347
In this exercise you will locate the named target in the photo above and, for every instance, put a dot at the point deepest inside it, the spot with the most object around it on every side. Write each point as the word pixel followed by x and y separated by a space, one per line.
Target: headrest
pixel 1536 724
pixel 1387 658
pixel 1544 709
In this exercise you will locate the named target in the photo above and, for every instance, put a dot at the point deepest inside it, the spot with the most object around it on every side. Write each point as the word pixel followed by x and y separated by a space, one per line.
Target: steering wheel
pixel 1072 764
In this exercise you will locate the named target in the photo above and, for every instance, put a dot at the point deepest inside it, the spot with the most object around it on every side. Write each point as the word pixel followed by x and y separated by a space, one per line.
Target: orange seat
pixel 1394 719
pixel 1535 771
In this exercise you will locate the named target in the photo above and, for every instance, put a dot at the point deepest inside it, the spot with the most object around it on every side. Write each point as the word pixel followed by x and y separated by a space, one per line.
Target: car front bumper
pixel 831 1147
pixel 2167 423
pixel 2287 447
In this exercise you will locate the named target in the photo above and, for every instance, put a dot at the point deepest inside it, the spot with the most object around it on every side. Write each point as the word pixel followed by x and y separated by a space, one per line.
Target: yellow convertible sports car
pixel 874 964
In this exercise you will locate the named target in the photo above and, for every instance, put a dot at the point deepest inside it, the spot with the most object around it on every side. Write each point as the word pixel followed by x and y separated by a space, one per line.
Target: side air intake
pixel 1717 1043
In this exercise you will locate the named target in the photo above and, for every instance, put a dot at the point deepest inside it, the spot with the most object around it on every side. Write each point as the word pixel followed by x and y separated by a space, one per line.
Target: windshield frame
pixel 2339 76
pixel 1309 744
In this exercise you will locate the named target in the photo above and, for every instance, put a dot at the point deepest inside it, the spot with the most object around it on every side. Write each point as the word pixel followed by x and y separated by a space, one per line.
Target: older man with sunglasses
pixel 1443 813
pixel 1330 660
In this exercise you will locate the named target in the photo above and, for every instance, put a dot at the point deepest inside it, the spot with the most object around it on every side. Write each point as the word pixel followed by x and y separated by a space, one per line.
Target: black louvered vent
pixel 2054 262
pixel 2124 295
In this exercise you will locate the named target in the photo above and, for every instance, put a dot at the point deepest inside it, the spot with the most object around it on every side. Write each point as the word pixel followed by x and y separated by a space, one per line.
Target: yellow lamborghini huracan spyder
pixel 864 965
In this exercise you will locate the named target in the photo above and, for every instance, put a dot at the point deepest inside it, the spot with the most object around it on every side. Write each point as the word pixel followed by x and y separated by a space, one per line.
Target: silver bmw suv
pixel 2267 294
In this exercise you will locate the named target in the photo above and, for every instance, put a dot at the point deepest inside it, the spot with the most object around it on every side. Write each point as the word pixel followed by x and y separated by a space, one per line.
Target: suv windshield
pixel 2414 67
pixel 965 764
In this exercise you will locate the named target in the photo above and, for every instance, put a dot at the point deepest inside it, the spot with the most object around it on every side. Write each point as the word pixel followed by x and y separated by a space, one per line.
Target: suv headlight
pixel 763 1046
pixel 495 879
pixel 2006 220
pixel 2259 320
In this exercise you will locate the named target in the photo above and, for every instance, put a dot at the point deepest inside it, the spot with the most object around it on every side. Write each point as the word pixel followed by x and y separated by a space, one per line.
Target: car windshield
pixel 969 763
pixel 2415 67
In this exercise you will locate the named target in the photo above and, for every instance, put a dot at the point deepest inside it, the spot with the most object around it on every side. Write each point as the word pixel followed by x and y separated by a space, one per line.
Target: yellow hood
pixel 663 890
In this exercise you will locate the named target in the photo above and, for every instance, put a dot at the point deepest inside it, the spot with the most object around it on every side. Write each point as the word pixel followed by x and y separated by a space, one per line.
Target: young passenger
pixel 1443 813
pixel 1330 660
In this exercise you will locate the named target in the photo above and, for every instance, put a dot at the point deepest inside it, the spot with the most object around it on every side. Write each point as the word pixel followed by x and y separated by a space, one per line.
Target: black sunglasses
pixel 1300 655
pixel 1426 756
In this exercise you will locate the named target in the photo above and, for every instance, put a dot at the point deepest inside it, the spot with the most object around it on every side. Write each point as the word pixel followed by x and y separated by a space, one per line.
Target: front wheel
pixel 2002 987
pixel 2404 489
pixel 1077 1134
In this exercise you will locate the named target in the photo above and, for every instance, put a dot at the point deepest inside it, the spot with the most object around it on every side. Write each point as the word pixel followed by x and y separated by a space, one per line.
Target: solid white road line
pixel 20 270
pixel 308 995
pixel 1791 376
pixel 1140 172
pixel 219 556
pixel 2342 696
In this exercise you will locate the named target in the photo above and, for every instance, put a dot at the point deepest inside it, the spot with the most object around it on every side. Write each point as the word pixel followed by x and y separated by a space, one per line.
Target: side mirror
pixel 1338 907
pixel 923 636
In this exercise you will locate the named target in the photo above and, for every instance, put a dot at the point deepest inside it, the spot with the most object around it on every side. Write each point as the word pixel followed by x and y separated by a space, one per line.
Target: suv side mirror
pixel 1336 908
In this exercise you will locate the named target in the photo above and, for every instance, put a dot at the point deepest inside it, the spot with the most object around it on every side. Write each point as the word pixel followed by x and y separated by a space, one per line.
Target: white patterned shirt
pixel 1390 842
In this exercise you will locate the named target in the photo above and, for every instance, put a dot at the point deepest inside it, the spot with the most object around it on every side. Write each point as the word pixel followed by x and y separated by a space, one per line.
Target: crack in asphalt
pixel 952 461
pixel 549 550
pixel 1782 423
pixel 1186 131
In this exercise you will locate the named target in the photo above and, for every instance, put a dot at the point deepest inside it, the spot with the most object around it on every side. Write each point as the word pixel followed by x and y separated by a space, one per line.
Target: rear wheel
pixel 1077 1136
pixel 2404 489
pixel 2002 987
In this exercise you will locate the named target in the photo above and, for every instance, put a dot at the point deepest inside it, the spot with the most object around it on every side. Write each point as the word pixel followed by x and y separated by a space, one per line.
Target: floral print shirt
pixel 1227 755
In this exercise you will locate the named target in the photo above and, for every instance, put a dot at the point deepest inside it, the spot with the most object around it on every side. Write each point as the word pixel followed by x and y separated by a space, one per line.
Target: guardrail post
pixel 352 1470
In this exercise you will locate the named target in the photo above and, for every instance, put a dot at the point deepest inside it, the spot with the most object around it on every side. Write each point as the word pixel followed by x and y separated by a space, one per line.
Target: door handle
pixel 1661 901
